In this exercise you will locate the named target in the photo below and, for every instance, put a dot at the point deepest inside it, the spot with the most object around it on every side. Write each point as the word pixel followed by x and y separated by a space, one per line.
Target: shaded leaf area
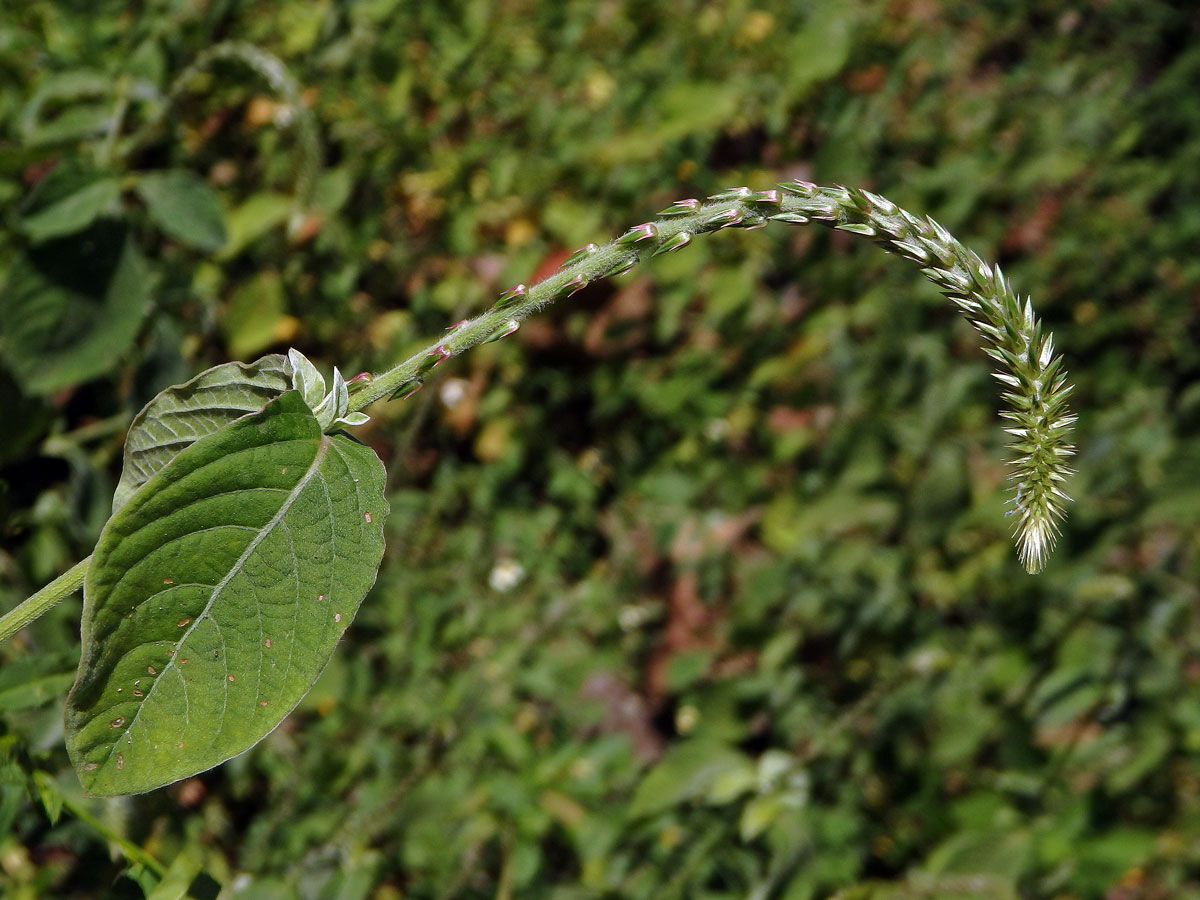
pixel 180 415
pixel 216 595
pixel 72 306
pixel 69 199
pixel 742 506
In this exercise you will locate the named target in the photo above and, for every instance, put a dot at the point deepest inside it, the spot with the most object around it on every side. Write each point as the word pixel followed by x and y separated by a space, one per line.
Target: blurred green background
pixel 700 585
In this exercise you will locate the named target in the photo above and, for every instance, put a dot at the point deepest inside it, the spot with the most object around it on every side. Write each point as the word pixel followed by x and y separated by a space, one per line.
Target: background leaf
pixel 61 89
pixel 84 120
pixel 185 206
pixel 687 772
pixel 217 594
pixel 71 307
pixel 67 200
pixel 256 317
pixel 180 415
pixel 186 880
pixel 34 680
pixel 256 215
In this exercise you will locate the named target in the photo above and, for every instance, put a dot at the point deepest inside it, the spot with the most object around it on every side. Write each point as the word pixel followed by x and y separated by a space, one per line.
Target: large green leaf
pixel 217 594
pixel 181 415
pixel 72 306
pixel 185 206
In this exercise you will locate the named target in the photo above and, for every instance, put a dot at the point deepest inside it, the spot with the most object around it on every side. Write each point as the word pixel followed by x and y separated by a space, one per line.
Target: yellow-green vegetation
pixel 699 583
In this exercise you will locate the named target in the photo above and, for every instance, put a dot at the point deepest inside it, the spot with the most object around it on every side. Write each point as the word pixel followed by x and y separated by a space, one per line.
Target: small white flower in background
pixel 928 660
pixel 333 409
pixel 452 392
pixel 506 574
pixel 772 767
pixel 632 616
pixel 717 429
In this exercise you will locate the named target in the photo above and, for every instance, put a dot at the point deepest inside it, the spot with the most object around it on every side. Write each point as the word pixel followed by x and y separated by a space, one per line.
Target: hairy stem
pixel 44 600
pixel 1033 376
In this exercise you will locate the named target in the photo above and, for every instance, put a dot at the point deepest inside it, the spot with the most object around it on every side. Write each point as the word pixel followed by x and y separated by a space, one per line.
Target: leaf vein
pixel 113 589
pixel 206 613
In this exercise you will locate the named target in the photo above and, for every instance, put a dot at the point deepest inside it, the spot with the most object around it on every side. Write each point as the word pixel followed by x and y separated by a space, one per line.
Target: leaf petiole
pixel 44 600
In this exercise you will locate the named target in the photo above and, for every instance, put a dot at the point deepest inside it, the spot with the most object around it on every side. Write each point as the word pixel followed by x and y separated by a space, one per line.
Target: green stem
pixel 589 264
pixel 44 600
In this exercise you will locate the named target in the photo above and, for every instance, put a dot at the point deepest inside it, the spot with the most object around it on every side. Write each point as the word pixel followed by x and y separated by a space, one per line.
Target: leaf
pixel 147 64
pixel 185 206
pixel 71 125
pixel 58 87
pixel 31 681
pixel 820 49
pixel 256 315
pixel 732 783
pixel 185 879
pixel 72 306
pixel 143 876
pixel 685 108
pixel 217 594
pixel 1000 853
pixel 47 791
pixel 259 214
pixel 688 772
pixel 757 816
pixel 332 190
pixel 180 415
pixel 67 200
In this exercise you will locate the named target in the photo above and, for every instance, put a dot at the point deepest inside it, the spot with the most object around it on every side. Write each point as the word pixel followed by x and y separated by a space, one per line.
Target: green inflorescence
pixel 1035 382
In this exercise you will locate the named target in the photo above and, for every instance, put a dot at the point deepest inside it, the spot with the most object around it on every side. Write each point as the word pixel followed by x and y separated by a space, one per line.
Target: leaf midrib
pixel 323 446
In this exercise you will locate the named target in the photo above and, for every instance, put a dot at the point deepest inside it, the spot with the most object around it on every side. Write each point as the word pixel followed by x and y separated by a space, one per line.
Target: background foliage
pixel 699 586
